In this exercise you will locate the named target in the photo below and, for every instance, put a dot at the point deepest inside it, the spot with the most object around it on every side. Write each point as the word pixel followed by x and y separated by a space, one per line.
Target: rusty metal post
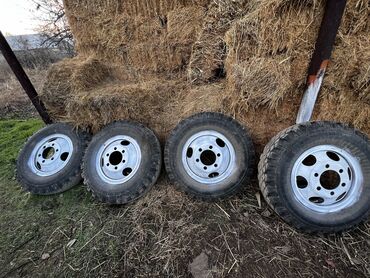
pixel 23 79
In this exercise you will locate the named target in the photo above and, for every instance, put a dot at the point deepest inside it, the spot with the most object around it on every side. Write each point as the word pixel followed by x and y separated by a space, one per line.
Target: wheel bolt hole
pixel 200 150
pixel 341 171
pixel 343 184
pixel 327 166
pixel 218 154
pixel 318 188
pixel 205 168
pixel 216 165
pixel 116 168
pixel 123 161
pixel 210 147
pixel 332 193
pixel 197 160
pixel 316 175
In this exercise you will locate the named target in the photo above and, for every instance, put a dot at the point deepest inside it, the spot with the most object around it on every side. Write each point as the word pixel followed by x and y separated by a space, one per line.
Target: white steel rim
pixel 327 179
pixel 118 159
pixel 208 157
pixel 50 155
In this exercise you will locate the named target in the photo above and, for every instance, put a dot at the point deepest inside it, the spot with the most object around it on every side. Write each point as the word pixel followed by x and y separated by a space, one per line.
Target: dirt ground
pixel 164 234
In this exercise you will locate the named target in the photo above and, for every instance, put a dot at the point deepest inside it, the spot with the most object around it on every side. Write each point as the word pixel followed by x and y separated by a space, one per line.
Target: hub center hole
pixel 48 153
pixel 115 158
pixel 208 157
pixel 330 180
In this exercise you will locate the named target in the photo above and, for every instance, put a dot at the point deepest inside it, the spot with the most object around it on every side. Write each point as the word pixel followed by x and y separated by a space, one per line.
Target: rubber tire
pixel 143 179
pixel 65 179
pixel 233 131
pixel 276 165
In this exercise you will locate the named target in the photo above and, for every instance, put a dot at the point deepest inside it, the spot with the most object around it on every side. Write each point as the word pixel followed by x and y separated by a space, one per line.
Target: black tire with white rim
pixel 209 155
pixel 122 162
pixel 316 176
pixel 50 161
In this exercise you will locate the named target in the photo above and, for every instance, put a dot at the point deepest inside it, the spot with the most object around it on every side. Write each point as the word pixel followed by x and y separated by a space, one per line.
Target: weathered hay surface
pixel 146 61
pixel 269 51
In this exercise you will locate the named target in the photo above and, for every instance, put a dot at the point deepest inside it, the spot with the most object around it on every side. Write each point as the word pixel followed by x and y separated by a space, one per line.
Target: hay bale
pixel 135 56
pixel 259 82
pixel 57 88
pixel 184 24
pixel 206 62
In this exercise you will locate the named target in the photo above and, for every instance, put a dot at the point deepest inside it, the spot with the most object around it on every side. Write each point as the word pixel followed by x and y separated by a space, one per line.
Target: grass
pixel 72 235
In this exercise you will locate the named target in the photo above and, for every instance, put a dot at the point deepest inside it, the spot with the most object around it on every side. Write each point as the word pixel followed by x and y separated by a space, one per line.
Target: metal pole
pixel 324 46
pixel 23 79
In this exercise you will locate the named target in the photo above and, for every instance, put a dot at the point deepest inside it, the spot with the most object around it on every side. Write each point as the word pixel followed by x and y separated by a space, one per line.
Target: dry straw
pixel 159 61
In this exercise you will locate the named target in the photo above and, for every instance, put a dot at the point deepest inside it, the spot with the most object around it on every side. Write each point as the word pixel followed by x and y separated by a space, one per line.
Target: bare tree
pixel 54 24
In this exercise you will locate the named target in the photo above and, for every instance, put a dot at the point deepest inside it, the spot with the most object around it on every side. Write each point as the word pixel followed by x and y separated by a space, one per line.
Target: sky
pixel 17 18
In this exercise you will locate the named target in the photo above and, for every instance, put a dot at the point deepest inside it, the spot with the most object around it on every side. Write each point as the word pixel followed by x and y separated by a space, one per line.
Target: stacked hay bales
pixel 269 50
pixel 159 61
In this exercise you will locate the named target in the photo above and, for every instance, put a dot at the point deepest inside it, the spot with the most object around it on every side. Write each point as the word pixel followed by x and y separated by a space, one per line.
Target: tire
pixel 50 161
pixel 316 176
pixel 122 162
pixel 199 156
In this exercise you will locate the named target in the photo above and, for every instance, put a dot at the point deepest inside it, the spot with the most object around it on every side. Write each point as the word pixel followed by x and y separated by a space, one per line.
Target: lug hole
pixel 216 165
pixel 205 168
pixel 316 175
pixel 318 188
pixel 332 193
pixel 197 160
pixel 327 166
pixel 341 171
pixel 211 147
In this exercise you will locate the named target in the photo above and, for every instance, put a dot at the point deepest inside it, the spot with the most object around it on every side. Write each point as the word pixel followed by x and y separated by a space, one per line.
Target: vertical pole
pixel 23 79
pixel 323 49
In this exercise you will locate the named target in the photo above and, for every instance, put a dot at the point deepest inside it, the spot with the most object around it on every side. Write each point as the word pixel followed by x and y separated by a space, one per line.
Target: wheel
pixel 50 161
pixel 209 155
pixel 316 176
pixel 122 162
